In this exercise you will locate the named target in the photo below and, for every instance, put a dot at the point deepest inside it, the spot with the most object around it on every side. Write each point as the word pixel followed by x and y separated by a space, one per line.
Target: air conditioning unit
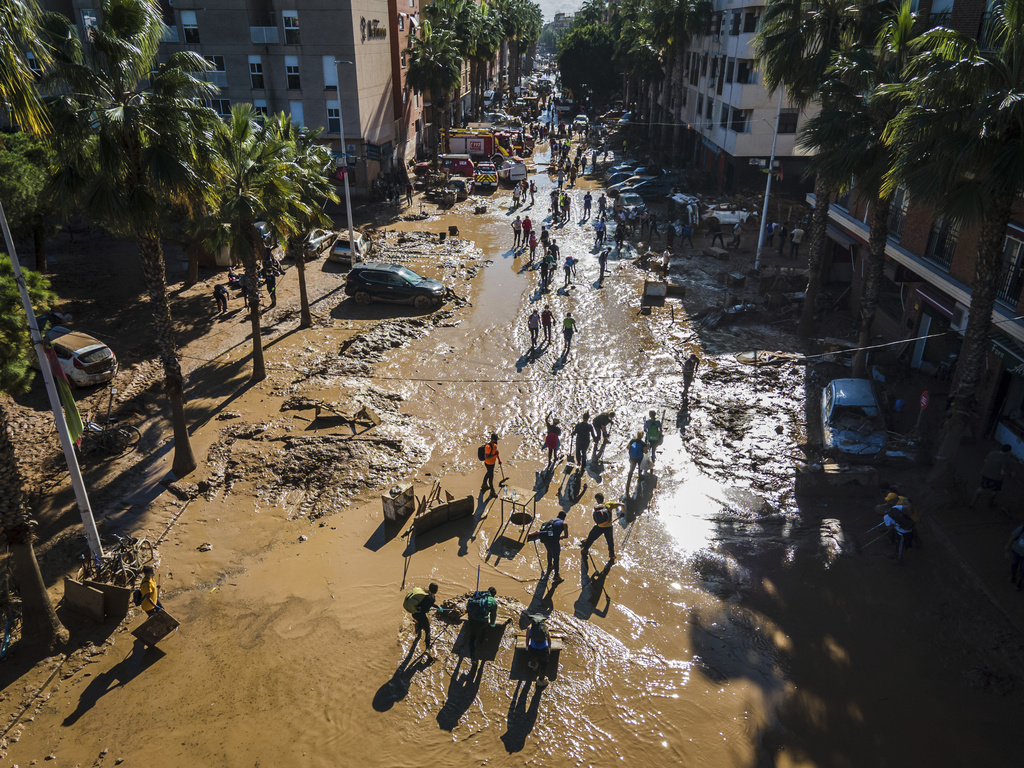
pixel 959 320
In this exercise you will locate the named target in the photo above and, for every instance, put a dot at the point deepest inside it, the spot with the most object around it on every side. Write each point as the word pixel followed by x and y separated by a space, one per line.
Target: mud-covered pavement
pixel 740 626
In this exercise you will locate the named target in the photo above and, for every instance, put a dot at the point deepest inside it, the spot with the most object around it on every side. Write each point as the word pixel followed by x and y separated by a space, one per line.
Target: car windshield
pixel 409 275
pixel 847 416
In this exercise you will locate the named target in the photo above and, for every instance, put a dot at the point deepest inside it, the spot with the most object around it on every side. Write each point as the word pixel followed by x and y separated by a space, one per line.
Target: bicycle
pixel 110 437
pixel 122 563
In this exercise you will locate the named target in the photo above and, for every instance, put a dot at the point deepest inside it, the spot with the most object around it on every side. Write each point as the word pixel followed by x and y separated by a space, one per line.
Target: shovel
pixel 504 480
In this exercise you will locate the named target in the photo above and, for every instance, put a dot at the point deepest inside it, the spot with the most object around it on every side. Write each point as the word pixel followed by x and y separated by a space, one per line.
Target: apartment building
pixel 929 268
pixel 283 57
pixel 730 114
pixel 410 123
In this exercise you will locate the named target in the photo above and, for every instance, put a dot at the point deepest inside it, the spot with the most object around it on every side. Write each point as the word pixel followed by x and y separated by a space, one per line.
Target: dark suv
pixel 373 281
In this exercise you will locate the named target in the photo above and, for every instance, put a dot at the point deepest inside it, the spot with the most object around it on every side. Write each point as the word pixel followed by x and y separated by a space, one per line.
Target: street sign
pixel 924 399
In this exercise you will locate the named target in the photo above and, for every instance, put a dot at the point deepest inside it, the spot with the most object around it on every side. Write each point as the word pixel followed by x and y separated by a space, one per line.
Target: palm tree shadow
pixel 521 718
pixel 139 660
pixel 462 692
pixel 397 688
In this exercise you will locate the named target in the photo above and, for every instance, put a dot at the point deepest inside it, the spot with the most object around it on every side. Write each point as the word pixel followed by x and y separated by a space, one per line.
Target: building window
pixel 401 22
pixel 403 59
pixel 704 65
pixel 221 106
pixel 91 18
pixel 730 70
pixel 405 96
pixel 291 27
pixel 744 71
pixel 259 106
pixel 296 110
pixel 737 20
pixel 330 74
pixel 716 23
pixel 1011 276
pixel 750 20
pixel 416 100
pixel 256 72
pixel 700 104
pixel 216 74
pixel 723 119
pixel 33 63
pixel 291 68
pixel 898 212
pixel 333 117
pixel 942 242
pixel 741 120
pixel 787 120
pixel 710 114
pixel 189 27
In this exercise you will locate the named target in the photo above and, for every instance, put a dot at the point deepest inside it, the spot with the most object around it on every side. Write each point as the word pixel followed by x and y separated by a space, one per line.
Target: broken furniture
pixel 522 505
pixel 398 503
pixel 432 512
pixel 95 600
pixel 365 417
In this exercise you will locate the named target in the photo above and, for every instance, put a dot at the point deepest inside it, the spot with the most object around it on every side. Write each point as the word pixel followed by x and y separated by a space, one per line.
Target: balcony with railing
pixel 942 243
pixel 1011 275
pixel 897 217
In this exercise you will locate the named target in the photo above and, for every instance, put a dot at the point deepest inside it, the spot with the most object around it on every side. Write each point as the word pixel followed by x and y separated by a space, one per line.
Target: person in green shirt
pixel 481 613
pixel 568 329
pixel 652 428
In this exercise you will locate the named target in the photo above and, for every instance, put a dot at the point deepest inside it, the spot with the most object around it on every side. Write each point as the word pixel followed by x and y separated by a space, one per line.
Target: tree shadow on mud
pixel 141 658
pixel 522 716
pixel 397 688
pixel 462 691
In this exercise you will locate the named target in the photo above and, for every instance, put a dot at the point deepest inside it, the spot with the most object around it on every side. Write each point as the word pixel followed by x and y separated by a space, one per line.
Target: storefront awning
pixel 1009 351
pixel 836 235
pixel 943 305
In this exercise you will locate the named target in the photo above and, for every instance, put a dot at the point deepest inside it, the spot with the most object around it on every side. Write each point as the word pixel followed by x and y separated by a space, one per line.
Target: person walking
pixel 561 178
pixel 567 266
pixel 602 205
pixel 603 519
pixel 553 438
pixel 533 323
pixel 552 533
pixel 149 591
pixel 652 429
pixel 737 229
pixel 715 230
pixel 271 279
pixel 546 319
pixel 568 331
pixel 545 271
pixel 782 231
pixel 670 234
pixel 418 602
pixel 533 248
pixel 795 239
pixel 602 430
pixel 687 235
pixel 491 457
pixel 533 192
pixel 587 200
pixel 995 468
pixel 481 614
pixel 599 227
pixel 220 295
pixel 527 230
pixel 636 449
pixel 517 231
pixel 602 261
pixel 1015 549
pixel 583 433
pixel 408 192
pixel 689 371
pixel 544 237
pixel 769 233
pixel 653 226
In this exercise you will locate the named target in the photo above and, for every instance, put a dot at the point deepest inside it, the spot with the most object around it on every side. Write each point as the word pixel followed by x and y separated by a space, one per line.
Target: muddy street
pixel 739 626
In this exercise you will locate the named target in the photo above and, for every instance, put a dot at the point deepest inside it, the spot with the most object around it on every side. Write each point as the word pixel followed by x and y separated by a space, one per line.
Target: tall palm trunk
pixel 39 245
pixel 816 252
pixel 872 279
pixel 193 251
pixel 298 254
pixel 40 624
pixel 153 271
pixel 252 270
pixel 972 361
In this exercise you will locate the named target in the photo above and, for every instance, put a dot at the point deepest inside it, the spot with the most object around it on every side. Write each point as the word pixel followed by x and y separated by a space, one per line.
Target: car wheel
pixel 422 302
pixel 362 297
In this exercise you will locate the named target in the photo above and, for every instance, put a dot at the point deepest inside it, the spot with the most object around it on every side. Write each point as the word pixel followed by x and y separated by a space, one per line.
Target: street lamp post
pixel 344 156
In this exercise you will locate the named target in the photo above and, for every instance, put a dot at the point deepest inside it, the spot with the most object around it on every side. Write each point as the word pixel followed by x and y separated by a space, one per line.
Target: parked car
pixel 612 115
pixel 486 174
pixel 580 121
pixel 375 281
pixel 651 188
pixel 728 214
pixel 629 201
pixel 461 165
pixel 626 118
pixel 852 422
pixel 618 178
pixel 625 186
pixel 84 359
pixel 622 167
pixel 317 240
pixel 460 187
pixel 342 251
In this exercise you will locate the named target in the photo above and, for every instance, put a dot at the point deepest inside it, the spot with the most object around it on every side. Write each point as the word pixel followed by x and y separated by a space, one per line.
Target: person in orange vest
pixel 602 526
pixel 491 456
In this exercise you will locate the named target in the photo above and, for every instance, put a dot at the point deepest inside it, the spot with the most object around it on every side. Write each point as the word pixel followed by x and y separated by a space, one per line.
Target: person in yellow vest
pixel 491 457
pixel 150 591
pixel 603 519
pixel 418 602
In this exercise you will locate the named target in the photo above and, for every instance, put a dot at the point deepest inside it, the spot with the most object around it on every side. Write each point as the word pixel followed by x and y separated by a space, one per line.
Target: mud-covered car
pixel 376 281
pixel 84 360
pixel 852 421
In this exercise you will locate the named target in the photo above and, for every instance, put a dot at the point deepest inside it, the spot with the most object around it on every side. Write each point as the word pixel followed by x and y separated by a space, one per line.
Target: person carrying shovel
pixel 490 456
pixel 603 520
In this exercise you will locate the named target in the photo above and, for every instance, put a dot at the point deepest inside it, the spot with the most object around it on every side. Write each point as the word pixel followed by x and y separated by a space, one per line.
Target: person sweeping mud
pixel 552 533
pixel 491 457
pixel 603 519
pixel 481 613
pixel 602 430
pixel 583 433
pixel 418 602
pixel 689 371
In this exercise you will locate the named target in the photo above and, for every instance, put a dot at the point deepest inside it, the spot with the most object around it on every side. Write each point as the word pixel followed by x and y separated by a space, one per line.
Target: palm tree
pixel 849 139
pixel 18 35
pixel 255 180
pixel 128 130
pixel 435 69
pixel 795 44
pixel 960 140
pixel 486 44
pixel 312 162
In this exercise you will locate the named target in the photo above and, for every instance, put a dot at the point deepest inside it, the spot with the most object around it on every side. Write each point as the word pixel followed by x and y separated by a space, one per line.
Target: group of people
pixel 781 231
pixel 544 319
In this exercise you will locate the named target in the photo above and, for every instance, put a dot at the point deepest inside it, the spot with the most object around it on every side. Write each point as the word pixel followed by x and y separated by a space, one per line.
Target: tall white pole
pixel 768 183
pixel 344 155
pixel 92 536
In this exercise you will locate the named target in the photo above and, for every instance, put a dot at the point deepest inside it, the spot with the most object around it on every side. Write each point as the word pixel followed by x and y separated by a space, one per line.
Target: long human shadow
pixel 521 716
pixel 462 691
pixel 591 592
pixel 397 688
pixel 141 658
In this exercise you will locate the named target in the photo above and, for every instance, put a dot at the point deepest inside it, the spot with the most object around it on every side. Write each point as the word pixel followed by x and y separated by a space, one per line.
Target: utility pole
pixel 768 183
pixel 92 536
pixel 344 156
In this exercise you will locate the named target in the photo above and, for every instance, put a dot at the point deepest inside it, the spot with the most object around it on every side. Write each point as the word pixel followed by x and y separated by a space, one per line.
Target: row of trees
pixel 131 145
pixel 457 31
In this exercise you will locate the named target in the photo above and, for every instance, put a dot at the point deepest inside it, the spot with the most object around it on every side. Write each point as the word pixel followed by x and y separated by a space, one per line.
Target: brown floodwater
pixel 741 626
